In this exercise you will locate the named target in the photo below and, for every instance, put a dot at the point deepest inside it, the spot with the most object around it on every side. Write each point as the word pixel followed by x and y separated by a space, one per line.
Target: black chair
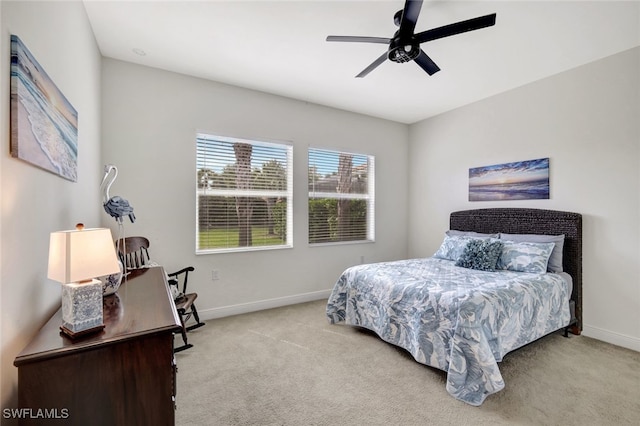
pixel 185 304
pixel 134 254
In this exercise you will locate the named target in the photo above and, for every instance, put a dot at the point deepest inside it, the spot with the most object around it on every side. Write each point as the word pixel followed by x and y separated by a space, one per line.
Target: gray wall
pixel 150 119
pixel 586 121
pixel 35 202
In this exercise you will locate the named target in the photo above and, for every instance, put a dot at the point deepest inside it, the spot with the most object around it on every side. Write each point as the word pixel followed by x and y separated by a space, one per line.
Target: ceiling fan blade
pixel 410 15
pixel 456 28
pixel 426 63
pixel 373 65
pixel 357 39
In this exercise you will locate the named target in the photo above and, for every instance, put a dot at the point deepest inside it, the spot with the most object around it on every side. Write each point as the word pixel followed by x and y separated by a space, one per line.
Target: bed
pixel 464 319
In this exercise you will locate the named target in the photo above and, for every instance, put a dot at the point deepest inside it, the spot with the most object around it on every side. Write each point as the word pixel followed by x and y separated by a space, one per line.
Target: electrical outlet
pixel 215 275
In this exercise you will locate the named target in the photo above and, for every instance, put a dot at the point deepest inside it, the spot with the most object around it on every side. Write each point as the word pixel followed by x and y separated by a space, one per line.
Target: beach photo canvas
pixel 521 180
pixel 44 125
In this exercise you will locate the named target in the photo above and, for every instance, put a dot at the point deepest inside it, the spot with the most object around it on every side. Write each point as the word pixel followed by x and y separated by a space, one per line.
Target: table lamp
pixel 75 258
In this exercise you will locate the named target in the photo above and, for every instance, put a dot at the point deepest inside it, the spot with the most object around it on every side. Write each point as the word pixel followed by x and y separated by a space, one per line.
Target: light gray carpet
pixel 288 366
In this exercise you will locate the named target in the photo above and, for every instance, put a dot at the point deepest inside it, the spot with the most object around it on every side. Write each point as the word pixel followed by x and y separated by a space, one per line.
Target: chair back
pixel 133 252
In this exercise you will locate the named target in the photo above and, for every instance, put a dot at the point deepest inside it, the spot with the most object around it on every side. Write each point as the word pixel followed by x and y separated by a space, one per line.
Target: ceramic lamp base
pixel 82 308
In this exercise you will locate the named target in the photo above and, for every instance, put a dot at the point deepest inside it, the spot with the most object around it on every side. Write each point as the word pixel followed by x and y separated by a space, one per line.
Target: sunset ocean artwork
pixel 522 180
pixel 44 125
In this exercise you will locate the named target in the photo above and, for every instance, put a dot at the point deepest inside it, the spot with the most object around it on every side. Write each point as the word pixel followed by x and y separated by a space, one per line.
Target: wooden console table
pixel 124 375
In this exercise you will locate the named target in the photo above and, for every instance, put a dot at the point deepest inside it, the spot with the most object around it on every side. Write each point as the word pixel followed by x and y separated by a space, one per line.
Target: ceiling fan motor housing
pixel 400 51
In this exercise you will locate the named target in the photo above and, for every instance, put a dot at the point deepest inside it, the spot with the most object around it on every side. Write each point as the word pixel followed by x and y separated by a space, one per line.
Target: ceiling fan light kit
pixel 405 44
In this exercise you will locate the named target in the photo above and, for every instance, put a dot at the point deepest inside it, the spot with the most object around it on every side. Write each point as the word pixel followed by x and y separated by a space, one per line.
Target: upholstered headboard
pixel 533 221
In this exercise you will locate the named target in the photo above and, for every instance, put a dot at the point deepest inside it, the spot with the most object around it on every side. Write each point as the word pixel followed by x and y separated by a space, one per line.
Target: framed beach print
pixel 44 125
pixel 521 180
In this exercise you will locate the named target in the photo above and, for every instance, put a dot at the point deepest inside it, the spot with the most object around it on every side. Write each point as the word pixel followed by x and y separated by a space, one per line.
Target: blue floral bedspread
pixel 459 320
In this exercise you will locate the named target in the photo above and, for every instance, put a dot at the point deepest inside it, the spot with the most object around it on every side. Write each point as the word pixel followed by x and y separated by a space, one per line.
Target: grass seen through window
pixel 224 237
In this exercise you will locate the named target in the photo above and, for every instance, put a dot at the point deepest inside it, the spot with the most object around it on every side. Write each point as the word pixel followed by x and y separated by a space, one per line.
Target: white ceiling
pixel 279 47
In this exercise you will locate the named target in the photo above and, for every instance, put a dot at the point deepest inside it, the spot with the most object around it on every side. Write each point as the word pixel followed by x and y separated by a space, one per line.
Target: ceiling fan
pixel 405 44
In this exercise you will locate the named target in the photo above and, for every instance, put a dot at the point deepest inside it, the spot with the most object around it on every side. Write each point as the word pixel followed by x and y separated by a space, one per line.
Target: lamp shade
pixel 81 255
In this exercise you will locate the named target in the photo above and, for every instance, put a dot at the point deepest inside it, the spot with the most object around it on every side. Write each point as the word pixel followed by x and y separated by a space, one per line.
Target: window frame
pixel 287 193
pixel 369 197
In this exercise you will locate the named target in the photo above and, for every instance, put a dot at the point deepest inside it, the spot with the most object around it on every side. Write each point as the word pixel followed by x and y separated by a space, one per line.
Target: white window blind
pixel 244 194
pixel 341 196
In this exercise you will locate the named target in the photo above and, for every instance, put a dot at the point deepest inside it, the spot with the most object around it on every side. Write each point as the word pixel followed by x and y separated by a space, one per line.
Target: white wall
pixel 150 119
pixel 35 202
pixel 586 121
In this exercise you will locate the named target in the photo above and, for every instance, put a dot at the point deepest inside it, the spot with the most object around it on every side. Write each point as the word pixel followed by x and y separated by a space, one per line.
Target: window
pixel 244 194
pixel 341 197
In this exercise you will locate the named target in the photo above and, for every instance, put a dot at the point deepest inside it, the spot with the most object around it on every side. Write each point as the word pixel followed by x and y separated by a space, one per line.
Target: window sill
pixel 242 249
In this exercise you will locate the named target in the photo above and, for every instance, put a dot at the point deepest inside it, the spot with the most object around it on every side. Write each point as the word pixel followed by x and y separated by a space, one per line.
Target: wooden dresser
pixel 124 375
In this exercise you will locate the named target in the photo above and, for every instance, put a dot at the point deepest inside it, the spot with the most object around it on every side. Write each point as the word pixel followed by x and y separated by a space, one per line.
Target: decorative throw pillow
pixel 452 247
pixel 525 256
pixel 481 254
pixel 555 260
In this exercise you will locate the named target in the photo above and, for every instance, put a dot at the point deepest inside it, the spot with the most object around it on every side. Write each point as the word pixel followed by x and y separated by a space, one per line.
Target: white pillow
pixel 452 232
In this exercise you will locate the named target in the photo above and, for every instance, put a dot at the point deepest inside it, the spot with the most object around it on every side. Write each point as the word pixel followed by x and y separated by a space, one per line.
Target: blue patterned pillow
pixel 525 256
pixel 481 254
pixel 452 247
pixel 555 260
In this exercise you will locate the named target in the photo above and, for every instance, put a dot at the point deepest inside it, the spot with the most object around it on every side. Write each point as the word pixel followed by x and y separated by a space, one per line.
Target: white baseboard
pixel 260 305
pixel 617 339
